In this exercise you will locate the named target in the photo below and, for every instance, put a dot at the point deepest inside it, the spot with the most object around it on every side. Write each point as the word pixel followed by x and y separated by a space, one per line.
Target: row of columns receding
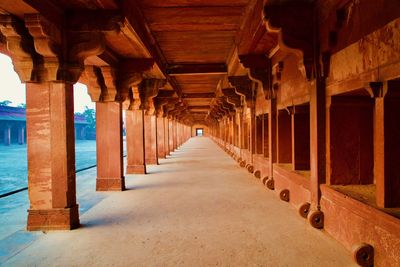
pixel 51 151
pixel 50 59
pixel 359 141
pixel 9 130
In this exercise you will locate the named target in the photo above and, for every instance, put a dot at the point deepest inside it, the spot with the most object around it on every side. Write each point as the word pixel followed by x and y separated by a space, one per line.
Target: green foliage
pixel 5 103
pixel 90 117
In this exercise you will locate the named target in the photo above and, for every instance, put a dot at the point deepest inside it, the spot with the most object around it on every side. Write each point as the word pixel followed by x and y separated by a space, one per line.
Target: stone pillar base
pixel 136 169
pixel 151 161
pixel 53 219
pixel 110 184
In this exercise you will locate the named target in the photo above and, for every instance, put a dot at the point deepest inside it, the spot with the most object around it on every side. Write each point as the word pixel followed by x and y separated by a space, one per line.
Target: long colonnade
pixel 302 93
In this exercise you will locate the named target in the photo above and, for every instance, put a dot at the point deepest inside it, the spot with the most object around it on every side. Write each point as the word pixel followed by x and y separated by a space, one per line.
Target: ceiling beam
pixel 166 94
pixel 110 57
pixel 197 69
pixel 137 20
pixel 48 9
pixel 199 112
pixel 207 107
pixel 199 95
pixel 94 20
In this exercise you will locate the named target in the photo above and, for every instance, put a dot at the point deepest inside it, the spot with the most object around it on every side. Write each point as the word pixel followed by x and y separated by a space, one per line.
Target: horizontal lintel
pixel 197 69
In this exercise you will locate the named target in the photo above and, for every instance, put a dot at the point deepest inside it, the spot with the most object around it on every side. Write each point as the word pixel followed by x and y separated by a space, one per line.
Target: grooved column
pixel 150 137
pixel 135 142
pixel 110 175
pixel 51 156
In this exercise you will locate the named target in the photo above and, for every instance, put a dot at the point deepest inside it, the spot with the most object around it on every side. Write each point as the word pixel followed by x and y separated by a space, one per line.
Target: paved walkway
pixel 197 208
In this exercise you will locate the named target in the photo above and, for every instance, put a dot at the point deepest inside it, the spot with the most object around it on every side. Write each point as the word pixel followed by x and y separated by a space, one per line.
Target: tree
pixel 5 103
pixel 90 117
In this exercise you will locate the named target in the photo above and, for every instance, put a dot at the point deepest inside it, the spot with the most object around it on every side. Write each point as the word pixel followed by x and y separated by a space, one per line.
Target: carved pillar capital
pixel 109 91
pixel 259 70
pixel 80 47
pixel 91 77
pixel 293 21
pixel 378 89
pixel 148 89
pixel 19 45
pixel 130 74
pixel 159 106
pixel 232 97
pixel 48 44
pixel 244 87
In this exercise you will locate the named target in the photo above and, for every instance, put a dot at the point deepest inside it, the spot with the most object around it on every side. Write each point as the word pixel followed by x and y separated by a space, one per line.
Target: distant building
pixel 13 125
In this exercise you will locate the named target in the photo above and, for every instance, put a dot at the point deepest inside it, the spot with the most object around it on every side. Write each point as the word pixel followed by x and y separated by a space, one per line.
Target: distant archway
pixel 199 132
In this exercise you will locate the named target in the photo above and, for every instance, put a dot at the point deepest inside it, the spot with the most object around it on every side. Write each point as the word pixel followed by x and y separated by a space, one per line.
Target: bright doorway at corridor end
pixel 199 131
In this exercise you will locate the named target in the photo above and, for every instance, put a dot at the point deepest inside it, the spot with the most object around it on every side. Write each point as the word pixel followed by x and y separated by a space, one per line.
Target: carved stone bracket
pixel 293 20
pixel 127 81
pixel 148 89
pixel 109 91
pixel 378 89
pixel 130 74
pixel 81 46
pixel 48 43
pixel 91 76
pixel 170 106
pixel 159 104
pixel 244 87
pixel 20 46
pixel 232 97
pixel 259 70
pixel 179 107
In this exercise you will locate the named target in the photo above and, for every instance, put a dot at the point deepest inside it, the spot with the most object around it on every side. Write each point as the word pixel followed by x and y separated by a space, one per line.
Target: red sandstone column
pixel 174 134
pixel 7 135
pixel 135 142
pixel 51 156
pixel 317 140
pixel 170 135
pixel 179 134
pixel 161 137
pixel 166 136
pixel 150 138
pixel 110 174
pixel 382 195
pixel 252 146
pixel 272 132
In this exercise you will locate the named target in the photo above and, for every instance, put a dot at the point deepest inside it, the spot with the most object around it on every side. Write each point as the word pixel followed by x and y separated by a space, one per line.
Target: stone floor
pixel 197 208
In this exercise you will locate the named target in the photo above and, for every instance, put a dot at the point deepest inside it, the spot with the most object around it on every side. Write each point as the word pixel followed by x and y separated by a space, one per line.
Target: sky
pixel 13 90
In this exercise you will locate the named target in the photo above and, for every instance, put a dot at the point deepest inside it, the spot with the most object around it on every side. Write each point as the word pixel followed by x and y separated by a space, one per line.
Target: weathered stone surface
pixel 110 173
